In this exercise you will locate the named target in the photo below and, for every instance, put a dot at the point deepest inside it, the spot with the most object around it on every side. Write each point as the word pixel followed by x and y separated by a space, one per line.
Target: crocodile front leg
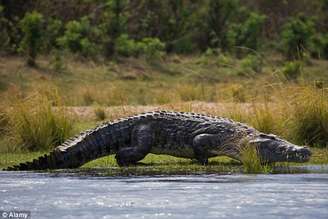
pixel 142 141
pixel 202 143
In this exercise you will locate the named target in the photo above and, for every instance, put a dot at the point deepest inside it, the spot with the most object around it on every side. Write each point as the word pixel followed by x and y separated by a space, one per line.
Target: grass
pixel 252 162
pixel 215 85
pixel 135 82
pixel 35 125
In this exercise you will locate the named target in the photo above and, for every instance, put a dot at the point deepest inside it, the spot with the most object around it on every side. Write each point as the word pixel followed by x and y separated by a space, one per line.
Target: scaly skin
pixel 185 135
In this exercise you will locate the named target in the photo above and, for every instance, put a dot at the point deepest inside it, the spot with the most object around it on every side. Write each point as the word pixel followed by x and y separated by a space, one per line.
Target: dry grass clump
pixel 35 125
pixel 309 120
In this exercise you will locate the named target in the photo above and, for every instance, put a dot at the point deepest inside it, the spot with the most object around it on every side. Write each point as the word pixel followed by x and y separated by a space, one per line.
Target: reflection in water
pixel 208 196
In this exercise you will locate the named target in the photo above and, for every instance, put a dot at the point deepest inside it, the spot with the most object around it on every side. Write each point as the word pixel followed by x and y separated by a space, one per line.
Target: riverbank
pixel 160 165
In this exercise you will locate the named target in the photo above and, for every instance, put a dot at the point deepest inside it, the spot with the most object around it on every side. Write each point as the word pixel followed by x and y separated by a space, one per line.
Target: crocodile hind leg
pixel 142 140
pixel 202 143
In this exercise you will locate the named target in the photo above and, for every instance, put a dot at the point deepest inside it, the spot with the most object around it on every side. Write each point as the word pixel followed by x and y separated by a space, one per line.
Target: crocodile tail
pixel 74 152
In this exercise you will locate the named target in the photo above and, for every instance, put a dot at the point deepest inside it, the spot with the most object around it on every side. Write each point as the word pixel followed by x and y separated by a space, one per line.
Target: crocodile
pixel 179 134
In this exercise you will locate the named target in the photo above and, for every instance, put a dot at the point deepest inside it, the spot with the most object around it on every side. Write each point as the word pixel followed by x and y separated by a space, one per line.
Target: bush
pixel 248 33
pixel 183 45
pixel 151 48
pixel 31 26
pixel 53 31
pixel 224 60
pixel 251 64
pixel 125 46
pixel 319 46
pixel 36 125
pixel 77 38
pixel 292 70
pixel 296 36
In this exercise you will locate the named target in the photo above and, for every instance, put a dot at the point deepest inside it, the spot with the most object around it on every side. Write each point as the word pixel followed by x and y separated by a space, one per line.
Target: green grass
pixel 162 165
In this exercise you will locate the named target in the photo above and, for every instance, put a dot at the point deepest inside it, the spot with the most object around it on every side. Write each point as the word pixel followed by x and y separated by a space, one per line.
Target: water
pixel 206 196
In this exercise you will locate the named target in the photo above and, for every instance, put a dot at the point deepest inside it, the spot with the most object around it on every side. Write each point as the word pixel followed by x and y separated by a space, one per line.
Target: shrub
pixel 292 70
pixel 77 37
pixel 183 45
pixel 125 46
pixel 53 31
pixel 152 48
pixel 319 46
pixel 36 125
pixel 252 64
pixel 224 60
pixel 31 26
pixel 296 36
pixel 248 33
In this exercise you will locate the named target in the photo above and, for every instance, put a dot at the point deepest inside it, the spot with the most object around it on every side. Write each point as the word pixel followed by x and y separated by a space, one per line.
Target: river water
pixel 198 196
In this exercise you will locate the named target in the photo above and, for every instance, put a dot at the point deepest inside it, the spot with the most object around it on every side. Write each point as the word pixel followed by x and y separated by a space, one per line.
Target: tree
pixel 31 26
pixel 220 13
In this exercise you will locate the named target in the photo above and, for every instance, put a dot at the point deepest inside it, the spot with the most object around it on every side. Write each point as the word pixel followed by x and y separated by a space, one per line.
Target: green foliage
pixel 78 37
pixel 247 34
pixel 183 45
pixel 54 30
pixel 57 61
pixel 36 125
pixel 296 36
pixel 319 47
pixel 31 26
pixel 125 46
pixel 151 48
pixel 220 15
pixel 292 70
pixel 224 60
pixel 4 35
pixel 251 64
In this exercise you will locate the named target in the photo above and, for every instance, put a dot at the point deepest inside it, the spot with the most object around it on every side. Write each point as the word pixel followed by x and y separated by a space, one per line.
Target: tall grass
pixel 36 125
pixel 252 161
pixel 310 118
pixel 3 120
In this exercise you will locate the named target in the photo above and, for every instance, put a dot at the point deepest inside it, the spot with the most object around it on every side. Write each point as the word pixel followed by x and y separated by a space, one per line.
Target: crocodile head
pixel 274 149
